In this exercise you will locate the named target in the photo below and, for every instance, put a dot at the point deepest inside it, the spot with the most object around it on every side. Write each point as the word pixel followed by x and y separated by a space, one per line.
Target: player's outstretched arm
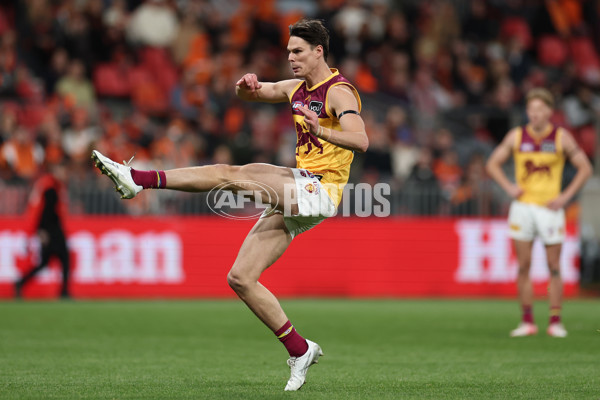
pixel 494 165
pixel 584 170
pixel 353 135
pixel 248 88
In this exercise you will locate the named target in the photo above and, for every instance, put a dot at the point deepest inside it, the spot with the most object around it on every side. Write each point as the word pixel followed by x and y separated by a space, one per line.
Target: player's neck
pixel 317 75
pixel 541 129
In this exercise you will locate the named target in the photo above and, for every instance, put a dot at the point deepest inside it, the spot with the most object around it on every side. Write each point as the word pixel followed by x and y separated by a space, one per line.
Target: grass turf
pixel 380 349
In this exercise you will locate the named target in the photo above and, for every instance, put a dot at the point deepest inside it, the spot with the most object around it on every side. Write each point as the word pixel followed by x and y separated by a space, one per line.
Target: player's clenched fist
pixel 249 82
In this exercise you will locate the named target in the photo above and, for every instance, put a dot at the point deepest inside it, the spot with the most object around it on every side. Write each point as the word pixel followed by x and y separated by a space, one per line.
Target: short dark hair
pixel 313 31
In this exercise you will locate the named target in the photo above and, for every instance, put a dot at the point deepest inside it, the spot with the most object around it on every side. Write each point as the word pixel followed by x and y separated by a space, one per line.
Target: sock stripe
pixel 287 332
pixel 158 175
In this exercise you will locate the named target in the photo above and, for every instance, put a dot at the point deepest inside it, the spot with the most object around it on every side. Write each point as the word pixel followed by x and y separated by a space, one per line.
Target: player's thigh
pixel 521 223
pixel 523 250
pixel 550 225
pixel 275 185
pixel 265 243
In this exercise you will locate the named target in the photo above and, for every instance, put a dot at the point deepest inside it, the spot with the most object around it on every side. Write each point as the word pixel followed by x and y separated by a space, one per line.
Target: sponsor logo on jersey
pixel 297 104
pixel 315 106
pixel 527 147
pixel 548 147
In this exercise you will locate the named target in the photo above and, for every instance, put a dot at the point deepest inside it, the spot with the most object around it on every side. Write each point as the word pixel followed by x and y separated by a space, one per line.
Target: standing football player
pixel 325 109
pixel 539 149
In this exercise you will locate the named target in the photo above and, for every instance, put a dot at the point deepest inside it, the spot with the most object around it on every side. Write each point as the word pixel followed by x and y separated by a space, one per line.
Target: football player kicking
pixel 325 109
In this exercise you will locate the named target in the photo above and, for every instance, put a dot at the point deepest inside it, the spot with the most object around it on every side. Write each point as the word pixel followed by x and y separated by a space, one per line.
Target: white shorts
pixel 314 204
pixel 526 221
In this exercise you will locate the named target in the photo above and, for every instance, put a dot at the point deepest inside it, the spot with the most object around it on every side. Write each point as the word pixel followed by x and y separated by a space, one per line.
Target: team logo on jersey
pixel 297 104
pixel 305 138
pixel 531 168
pixel 312 188
pixel 315 106
pixel 527 147
pixel 548 147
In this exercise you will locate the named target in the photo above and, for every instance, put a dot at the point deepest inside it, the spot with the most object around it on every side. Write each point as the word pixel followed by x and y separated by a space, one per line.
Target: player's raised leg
pixel 265 243
pixel 268 181
pixel 555 289
pixel 527 327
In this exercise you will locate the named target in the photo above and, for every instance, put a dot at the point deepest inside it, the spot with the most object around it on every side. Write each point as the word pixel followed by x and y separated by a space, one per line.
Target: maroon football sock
pixel 555 315
pixel 149 179
pixel 528 314
pixel 294 343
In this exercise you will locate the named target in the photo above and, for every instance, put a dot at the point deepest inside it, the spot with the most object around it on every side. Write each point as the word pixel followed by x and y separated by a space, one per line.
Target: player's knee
pixel 554 272
pixel 237 282
pixel 524 270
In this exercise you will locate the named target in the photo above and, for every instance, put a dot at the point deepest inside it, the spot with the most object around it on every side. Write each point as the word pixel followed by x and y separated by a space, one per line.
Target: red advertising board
pixel 189 257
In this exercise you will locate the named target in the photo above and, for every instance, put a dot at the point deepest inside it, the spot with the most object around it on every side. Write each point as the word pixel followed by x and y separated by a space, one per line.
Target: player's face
pixel 538 112
pixel 302 56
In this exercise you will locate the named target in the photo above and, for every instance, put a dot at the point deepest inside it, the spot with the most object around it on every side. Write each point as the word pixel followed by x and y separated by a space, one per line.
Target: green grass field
pixel 392 349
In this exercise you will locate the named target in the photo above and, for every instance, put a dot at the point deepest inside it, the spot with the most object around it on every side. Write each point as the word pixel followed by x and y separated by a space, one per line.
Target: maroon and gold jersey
pixel 539 165
pixel 320 157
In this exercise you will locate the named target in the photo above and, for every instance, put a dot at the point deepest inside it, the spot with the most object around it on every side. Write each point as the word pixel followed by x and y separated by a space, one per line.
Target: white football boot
pixel 299 366
pixel 557 330
pixel 120 174
pixel 524 329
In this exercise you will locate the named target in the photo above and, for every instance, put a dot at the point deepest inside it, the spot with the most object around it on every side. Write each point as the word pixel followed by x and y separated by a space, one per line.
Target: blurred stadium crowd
pixel 441 81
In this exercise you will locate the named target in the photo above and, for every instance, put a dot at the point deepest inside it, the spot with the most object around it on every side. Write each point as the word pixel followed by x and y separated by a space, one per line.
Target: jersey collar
pixel 334 73
pixel 539 137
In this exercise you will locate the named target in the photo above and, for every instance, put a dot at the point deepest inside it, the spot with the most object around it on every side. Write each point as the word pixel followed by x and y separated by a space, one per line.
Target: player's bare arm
pixel 584 170
pixel 494 165
pixel 248 88
pixel 353 135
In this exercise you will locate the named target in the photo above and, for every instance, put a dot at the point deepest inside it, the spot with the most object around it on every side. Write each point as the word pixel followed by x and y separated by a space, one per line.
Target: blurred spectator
pixel 478 26
pixel 350 22
pixel 473 196
pixel 448 172
pixel 58 67
pixel 8 62
pixel 404 154
pixel 21 154
pixel 582 107
pixel 428 99
pixel 378 159
pixel 78 139
pixel 154 23
pixel 76 87
pixel 422 193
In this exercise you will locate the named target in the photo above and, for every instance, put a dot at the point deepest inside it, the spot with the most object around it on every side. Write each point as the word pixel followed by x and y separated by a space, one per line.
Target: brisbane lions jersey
pixel 327 161
pixel 539 165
